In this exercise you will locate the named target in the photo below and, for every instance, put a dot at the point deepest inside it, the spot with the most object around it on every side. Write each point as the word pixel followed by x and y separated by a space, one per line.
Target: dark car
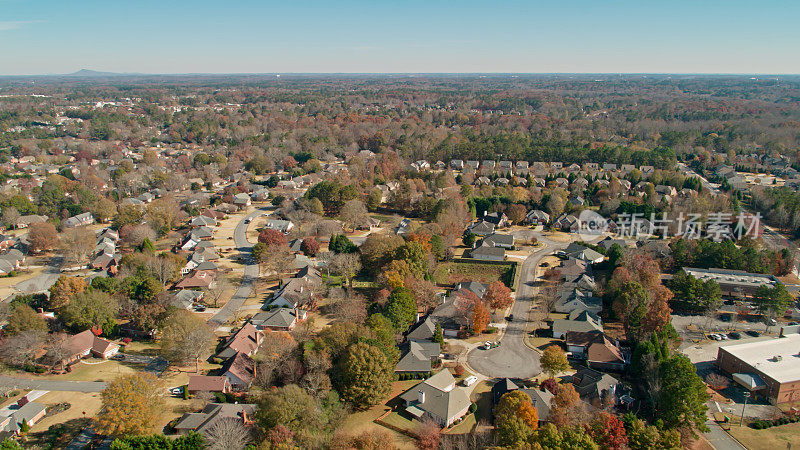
pixel 753 333
pixel 510 318
pixel 735 335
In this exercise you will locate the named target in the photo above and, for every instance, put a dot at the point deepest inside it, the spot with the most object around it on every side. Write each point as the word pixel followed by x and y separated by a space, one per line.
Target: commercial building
pixel 770 368
pixel 734 283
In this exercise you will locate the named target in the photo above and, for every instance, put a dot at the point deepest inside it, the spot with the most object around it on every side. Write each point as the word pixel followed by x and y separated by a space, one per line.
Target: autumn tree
pixel 272 237
pixel 429 435
pixel 480 317
pixel 42 237
pixel 186 337
pixel 310 247
pixel 354 214
pixel 132 404
pixel 64 288
pixel 608 431
pixel 498 295
pixel 554 361
pixel 365 375
pixel 515 418
pixel 566 408
pixel 24 318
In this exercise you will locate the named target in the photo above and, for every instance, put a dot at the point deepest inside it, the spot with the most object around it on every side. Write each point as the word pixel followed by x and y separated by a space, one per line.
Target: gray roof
pixel 496 239
pixel 423 331
pixel 478 289
pixel 442 398
pixel 487 251
pixel 417 356
pixel 278 318
pixel 203 421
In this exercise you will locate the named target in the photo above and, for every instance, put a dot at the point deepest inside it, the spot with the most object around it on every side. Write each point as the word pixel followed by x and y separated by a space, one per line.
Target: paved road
pixel 250 272
pixel 514 359
pixel 53 385
pixel 44 280
pixel 720 439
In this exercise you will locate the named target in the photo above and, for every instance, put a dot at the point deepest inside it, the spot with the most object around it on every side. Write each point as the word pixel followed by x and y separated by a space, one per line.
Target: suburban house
pixel 208 383
pixel 481 228
pixel 284 226
pixel 28 220
pixel 537 217
pixel 600 351
pixel 30 413
pixel 541 399
pixel 567 222
pixel 199 279
pixel 80 220
pixel 499 240
pixel 87 343
pixel 423 331
pixel 241 200
pixel 202 422
pixel 278 319
pixel 246 340
pixel 240 370
pixel 497 219
pixel 583 322
pixel 488 253
pixel 186 298
pixel 417 356
pixel 592 385
pixel 437 398
pixel 577 251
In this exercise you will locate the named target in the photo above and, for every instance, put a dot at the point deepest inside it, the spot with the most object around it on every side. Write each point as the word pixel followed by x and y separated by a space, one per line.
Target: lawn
pixel 770 439
pixel 454 272
pixel 361 421
pixel 482 395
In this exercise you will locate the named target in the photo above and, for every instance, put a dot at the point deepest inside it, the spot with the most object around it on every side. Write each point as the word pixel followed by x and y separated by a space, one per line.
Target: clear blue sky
pixel 238 36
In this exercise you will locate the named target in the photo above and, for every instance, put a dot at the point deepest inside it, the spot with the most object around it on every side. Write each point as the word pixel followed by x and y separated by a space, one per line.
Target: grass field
pixel 770 439
pixel 454 272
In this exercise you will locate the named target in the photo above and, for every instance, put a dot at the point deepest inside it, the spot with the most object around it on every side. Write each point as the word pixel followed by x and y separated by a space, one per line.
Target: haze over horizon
pixel 357 36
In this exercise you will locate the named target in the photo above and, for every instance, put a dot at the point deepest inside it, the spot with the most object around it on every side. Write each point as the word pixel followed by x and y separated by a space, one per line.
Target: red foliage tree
pixel 608 431
pixel 310 246
pixel 272 237
pixel 480 317
pixel 429 436
pixel 498 295
pixel 551 385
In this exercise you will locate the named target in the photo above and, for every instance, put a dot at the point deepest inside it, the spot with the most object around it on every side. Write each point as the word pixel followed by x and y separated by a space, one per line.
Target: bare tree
pixel 228 434
pixel 20 350
pixel 717 382
pixel 346 265
pixel 354 214
pixel 57 346
pixel 215 292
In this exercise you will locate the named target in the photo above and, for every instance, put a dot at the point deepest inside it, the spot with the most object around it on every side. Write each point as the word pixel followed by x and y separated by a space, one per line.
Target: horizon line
pixel 99 74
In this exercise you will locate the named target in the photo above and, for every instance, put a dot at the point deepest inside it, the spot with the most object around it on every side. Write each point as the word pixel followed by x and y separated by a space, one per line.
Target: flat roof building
pixel 768 367
pixel 734 283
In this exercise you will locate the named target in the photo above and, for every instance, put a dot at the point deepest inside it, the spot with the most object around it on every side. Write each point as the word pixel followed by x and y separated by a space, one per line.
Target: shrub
pixel 186 392
pixel 473 407
pixel 490 330
pixel 459 370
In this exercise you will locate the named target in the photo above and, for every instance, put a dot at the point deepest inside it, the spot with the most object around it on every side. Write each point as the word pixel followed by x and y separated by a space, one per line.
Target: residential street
pixel 52 385
pixel 514 359
pixel 250 272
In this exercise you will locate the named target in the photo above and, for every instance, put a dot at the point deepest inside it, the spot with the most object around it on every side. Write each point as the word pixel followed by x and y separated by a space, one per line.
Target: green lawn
pixel 454 272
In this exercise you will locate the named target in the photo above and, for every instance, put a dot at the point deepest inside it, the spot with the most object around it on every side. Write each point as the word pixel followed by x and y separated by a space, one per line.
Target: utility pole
pixel 746 396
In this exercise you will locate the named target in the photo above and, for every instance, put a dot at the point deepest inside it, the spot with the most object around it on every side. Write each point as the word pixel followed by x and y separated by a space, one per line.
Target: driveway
pixel 250 272
pixel 52 385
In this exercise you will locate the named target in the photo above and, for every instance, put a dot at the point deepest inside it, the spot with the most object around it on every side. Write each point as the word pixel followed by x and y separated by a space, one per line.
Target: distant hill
pixel 86 73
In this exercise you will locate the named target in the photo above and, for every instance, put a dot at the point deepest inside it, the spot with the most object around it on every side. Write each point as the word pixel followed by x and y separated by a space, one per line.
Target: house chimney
pixel 421 396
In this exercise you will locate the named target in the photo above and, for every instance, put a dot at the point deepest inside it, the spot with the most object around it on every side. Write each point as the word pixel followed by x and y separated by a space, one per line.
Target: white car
pixel 487 345
pixel 470 380
pixel 176 390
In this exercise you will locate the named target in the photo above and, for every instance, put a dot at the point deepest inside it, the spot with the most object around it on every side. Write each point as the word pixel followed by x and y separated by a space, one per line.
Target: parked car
pixel 248 220
pixel 753 333
pixel 510 318
pixel 487 345
pixel 176 390
pixel 735 335
pixel 470 380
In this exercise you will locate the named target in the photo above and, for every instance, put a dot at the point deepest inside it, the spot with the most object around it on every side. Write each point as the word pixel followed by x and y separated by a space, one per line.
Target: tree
pixel 76 244
pixel 272 237
pixel 554 361
pixel 716 381
pixel 188 441
pixel 42 237
pixel 469 239
pixel 438 335
pixel 429 435
pixel 306 417
pixel 683 397
pixel 365 375
pixel 215 292
pixel 24 318
pixel 566 408
pixel 515 418
pixel 339 243
pixel 310 247
pixel 91 308
pixel 63 289
pixel 186 337
pixel 401 309
pixel 772 301
pixel 366 440
pixel 10 217
pixel 645 437
pixel 498 295
pixel 354 214
pixel 480 317
pixel 695 295
pixel 10 444
pixel 20 350
pixel 132 404
pixel 608 431
pixel 346 265
pixel 228 434
pixel 516 213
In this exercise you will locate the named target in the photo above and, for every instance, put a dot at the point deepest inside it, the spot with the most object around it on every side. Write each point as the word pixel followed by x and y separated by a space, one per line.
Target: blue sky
pixel 244 36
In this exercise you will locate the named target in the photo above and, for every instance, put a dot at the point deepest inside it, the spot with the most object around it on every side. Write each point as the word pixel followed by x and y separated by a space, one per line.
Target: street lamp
pixel 746 396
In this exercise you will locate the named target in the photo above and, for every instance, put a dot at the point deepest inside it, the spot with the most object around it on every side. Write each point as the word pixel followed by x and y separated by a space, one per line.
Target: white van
pixel 470 380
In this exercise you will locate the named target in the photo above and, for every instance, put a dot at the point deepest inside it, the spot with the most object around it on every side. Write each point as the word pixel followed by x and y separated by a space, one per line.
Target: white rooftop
pixel 724 276
pixel 778 358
